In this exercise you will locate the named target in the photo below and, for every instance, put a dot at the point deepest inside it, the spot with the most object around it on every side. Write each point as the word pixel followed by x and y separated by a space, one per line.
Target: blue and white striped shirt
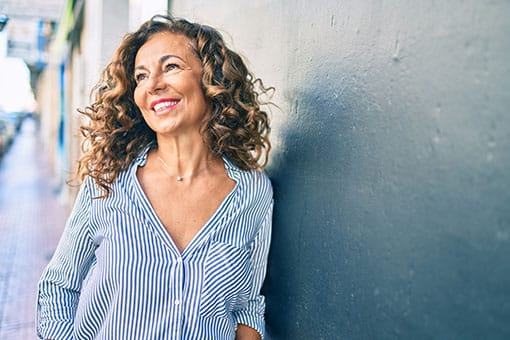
pixel 116 273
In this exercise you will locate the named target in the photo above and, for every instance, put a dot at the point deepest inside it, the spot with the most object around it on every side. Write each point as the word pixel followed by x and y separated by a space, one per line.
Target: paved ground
pixel 31 220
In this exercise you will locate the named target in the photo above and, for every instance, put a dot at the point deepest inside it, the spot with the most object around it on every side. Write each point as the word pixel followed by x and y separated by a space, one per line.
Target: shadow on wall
pixel 378 232
pixel 315 253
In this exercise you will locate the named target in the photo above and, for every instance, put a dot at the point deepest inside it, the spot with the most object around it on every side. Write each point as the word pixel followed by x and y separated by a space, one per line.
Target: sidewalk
pixel 31 220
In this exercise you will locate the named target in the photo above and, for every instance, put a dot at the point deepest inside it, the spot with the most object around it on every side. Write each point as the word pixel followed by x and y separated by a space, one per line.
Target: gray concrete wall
pixel 391 165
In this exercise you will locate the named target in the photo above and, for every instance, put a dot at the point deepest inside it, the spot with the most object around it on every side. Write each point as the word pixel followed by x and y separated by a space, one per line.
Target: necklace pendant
pixel 179 178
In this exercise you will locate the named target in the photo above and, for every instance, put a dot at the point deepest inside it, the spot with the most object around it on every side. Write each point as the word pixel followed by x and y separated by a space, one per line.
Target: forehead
pixel 164 43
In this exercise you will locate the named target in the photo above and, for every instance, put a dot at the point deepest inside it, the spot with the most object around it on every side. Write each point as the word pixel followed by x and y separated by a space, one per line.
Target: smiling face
pixel 169 92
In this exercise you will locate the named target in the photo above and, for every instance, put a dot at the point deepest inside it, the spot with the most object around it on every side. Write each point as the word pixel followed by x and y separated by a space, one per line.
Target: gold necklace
pixel 181 178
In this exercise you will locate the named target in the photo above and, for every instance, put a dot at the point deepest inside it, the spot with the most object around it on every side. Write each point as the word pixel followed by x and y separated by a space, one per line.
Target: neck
pixel 184 157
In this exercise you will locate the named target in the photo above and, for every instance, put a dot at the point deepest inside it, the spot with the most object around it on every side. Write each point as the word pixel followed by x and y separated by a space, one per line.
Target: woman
pixel 170 232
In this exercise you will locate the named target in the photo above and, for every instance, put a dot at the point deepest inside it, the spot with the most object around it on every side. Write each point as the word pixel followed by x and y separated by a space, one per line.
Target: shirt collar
pixel 142 157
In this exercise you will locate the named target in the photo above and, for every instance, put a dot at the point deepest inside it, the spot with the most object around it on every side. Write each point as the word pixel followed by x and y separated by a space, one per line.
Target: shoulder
pixel 255 190
pixel 252 182
pixel 256 180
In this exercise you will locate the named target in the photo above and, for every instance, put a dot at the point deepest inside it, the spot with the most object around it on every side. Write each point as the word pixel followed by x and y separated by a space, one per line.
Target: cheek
pixel 137 96
pixel 198 93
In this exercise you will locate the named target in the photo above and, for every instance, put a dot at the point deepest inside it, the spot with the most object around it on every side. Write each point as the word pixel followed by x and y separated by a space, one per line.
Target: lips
pixel 161 105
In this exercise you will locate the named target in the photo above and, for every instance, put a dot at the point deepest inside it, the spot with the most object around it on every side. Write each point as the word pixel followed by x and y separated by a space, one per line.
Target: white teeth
pixel 164 105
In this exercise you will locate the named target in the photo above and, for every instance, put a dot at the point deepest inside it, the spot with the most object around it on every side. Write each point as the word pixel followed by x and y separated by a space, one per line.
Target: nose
pixel 156 83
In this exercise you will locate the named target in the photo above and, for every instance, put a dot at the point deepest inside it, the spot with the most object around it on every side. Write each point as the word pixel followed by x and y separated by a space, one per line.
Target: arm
pixel 251 319
pixel 246 333
pixel 60 283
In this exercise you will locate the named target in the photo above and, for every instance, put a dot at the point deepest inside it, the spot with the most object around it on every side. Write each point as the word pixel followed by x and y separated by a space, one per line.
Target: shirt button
pixel 179 260
pixel 176 302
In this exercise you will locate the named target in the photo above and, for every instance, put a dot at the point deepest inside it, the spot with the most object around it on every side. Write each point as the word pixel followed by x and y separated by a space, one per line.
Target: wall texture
pixel 391 166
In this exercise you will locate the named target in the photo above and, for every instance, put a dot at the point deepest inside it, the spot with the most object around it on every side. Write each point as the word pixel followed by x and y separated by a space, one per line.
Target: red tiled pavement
pixel 31 220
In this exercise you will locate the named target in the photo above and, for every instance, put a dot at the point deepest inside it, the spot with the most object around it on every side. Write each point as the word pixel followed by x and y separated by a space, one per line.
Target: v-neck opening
pixel 160 229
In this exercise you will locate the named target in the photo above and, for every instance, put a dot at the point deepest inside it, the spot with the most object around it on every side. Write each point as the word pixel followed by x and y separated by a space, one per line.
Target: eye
pixel 171 67
pixel 140 76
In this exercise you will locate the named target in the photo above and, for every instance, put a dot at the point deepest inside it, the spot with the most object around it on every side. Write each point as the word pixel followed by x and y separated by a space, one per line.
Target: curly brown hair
pixel 237 126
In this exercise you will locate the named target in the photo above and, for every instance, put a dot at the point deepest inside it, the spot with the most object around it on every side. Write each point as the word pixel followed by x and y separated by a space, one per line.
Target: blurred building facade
pixel 29 30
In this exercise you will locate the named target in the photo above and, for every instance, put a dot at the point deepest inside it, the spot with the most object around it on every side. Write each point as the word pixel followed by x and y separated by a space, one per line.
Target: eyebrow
pixel 161 60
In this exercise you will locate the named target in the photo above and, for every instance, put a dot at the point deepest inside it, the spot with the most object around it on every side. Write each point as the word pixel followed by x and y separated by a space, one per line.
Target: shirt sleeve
pixel 60 283
pixel 253 314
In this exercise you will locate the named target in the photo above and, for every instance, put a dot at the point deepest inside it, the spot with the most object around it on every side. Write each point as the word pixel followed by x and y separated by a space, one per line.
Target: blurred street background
pixel 390 161
pixel 31 219
pixel 32 210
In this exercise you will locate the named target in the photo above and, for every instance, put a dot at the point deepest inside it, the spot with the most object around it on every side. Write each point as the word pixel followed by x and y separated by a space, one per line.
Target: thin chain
pixel 180 178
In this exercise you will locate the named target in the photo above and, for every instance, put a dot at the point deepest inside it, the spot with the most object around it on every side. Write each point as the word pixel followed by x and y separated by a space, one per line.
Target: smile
pixel 163 104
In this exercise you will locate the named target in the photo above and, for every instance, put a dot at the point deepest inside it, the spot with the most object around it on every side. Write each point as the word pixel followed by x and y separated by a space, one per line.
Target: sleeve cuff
pixel 55 331
pixel 254 321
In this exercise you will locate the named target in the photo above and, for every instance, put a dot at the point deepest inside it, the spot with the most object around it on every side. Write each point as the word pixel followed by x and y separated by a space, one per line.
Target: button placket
pixel 178 303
